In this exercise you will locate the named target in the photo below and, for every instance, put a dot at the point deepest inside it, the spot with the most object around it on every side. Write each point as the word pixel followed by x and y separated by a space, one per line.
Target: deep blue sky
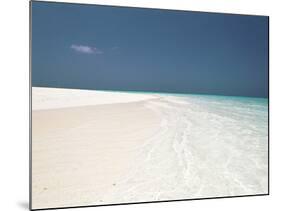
pixel 115 48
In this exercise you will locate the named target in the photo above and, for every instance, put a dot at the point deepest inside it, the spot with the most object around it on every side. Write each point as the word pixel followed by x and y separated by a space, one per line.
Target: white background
pixel 14 61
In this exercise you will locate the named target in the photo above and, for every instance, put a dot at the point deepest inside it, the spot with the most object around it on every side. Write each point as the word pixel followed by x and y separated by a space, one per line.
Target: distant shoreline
pixel 151 92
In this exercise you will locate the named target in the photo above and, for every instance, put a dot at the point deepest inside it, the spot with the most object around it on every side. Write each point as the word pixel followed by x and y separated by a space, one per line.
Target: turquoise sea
pixel 207 146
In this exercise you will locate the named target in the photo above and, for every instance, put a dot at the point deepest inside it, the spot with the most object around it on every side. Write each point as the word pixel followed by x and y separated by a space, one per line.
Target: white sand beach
pixel 53 98
pixel 95 147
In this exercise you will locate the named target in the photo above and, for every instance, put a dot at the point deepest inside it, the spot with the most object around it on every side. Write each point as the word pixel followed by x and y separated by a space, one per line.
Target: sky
pixel 133 49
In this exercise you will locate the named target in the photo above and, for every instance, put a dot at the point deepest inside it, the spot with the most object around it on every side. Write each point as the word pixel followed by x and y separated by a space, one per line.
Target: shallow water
pixel 207 146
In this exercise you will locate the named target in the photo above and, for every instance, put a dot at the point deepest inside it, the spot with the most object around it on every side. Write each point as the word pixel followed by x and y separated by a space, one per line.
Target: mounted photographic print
pixel 135 105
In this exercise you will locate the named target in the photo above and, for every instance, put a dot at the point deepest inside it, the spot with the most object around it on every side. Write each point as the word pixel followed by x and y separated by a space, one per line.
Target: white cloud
pixel 86 49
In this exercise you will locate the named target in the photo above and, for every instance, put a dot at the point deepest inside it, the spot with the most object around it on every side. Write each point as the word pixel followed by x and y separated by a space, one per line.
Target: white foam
pixel 201 150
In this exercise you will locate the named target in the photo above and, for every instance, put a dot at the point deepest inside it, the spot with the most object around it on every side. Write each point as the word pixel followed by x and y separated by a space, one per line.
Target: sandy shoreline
pixel 93 148
pixel 80 153
pixel 53 98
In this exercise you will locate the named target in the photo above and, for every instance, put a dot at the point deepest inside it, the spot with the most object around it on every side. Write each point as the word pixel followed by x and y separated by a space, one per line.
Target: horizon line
pixel 155 92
